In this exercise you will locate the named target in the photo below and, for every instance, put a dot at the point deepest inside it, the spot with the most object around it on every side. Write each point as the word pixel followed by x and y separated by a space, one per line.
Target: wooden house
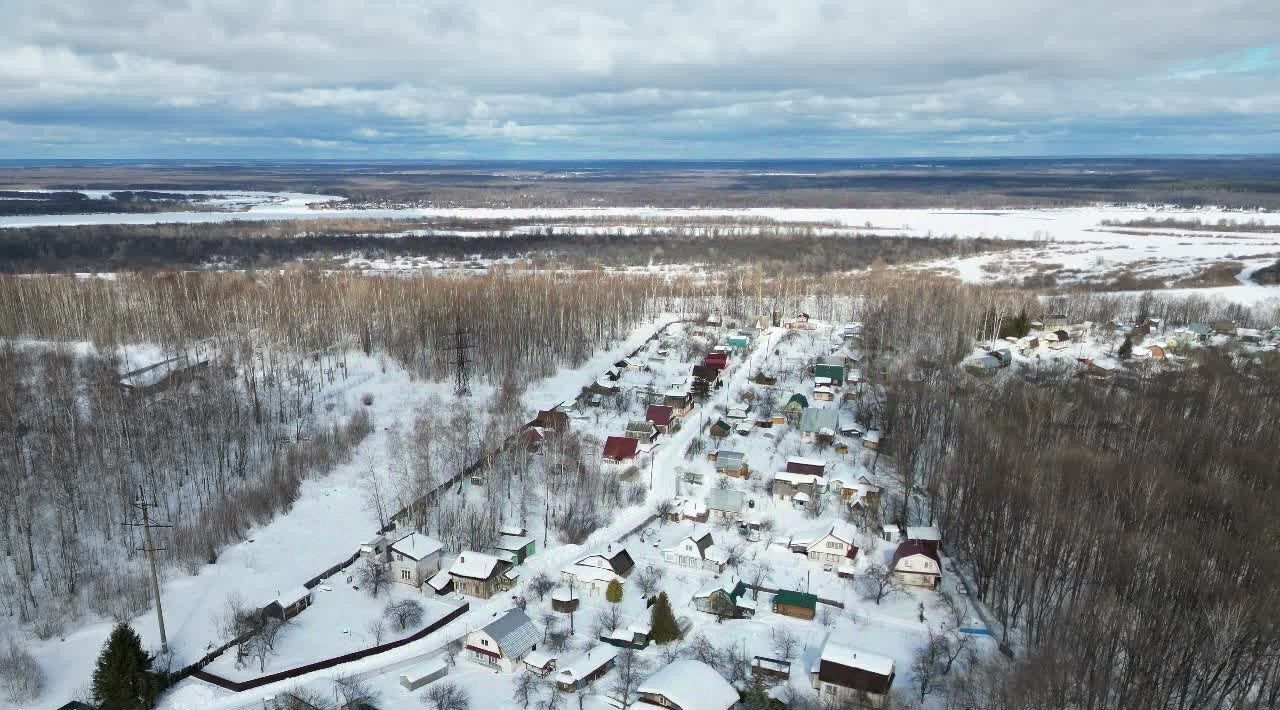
pixel 679 398
pixel 795 407
pixel 504 642
pixel 917 564
pixel 697 551
pixel 591 665
pixel 770 669
pixel 663 418
pixel 540 663
pixel 514 548
pixel 288 605
pixel 831 367
pixel 620 449
pixel 819 423
pixel 552 419
pixel 800 605
pixel 724 506
pixel 720 429
pixel 725 596
pixel 800 464
pixel 593 573
pixel 641 431
pixel 732 463
pixel 687 684
pixel 796 488
pixel 476 574
pixel 845 677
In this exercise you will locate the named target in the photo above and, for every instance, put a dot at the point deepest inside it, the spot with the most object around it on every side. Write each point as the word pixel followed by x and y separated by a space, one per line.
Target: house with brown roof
pixel 479 575
pixel 813 467
pixel 552 419
pixel 916 563
pixel 620 449
pixel 847 677
pixel 662 417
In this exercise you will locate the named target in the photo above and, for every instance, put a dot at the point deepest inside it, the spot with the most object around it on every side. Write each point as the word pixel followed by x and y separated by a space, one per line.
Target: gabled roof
pixel 645 427
pixel 514 633
pixel 793 598
pixel 724 458
pixel 476 565
pixel 417 546
pixel 620 447
pixel 800 464
pixel 815 420
pixel 799 399
pixel 725 499
pixel 659 414
pixel 691 684
pixel 512 543
pixel 915 547
pixel 855 669
pixel 586 664
pixel 924 534
pixel 706 372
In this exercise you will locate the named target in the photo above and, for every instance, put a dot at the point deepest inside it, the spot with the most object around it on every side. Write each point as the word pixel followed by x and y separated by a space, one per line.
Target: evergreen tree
pixel 123 679
pixel 662 622
pixel 1126 348
pixel 613 593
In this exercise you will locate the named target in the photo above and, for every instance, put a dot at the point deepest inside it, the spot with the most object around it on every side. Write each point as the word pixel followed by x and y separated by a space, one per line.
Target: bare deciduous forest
pixel 1121 532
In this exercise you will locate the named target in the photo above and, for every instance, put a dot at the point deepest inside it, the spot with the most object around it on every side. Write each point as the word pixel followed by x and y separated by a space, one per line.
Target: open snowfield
pixel 1073 244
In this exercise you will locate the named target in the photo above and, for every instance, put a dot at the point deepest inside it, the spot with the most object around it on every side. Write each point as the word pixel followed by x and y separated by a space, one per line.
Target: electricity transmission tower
pixel 144 507
pixel 461 376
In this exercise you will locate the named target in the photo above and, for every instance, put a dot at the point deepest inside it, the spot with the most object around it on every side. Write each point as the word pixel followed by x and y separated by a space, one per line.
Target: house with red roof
pixel 620 449
pixel 662 417
pixel 916 563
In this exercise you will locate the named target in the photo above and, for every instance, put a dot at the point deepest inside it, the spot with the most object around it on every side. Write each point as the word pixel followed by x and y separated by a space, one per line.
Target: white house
pixel 724 505
pixel 504 641
pixel 687 684
pixel 697 551
pixel 917 563
pixel 836 547
pixel 415 558
pixel 593 573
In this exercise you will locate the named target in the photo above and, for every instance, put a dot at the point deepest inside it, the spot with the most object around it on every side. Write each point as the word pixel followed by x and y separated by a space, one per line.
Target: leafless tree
pixel 404 613
pixel 783 642
pixel 446 695
pixel 630 670
pixel 877 583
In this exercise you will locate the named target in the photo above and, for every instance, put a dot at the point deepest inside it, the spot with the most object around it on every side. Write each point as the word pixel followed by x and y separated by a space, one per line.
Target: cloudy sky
pixel 628 79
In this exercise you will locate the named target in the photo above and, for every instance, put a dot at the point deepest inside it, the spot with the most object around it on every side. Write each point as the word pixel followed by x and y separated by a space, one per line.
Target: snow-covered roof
pixel 588 573
pixel 511 530
pixel 514 633
pixel 512 543
pixel 725 499
pixel 691 684
pixel 539 659
pixel 852 658
pixel 475 565
pixel 814 419
pixel 926 534
pixel 564 594
pixel 417 546
pixel 717 554
pixel 439 580
pixel 731 457
pixel 821 380
pixel 693 508
pixel 292 596
pixel 797 478
pixel 873 436
pixel 586 664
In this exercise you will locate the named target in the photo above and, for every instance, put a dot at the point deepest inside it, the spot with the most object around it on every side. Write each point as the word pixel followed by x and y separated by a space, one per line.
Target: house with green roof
pixel 795 407
pixel 800 605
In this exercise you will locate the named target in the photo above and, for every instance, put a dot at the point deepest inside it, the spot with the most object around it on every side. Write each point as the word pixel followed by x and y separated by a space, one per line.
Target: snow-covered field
pixel 1073 244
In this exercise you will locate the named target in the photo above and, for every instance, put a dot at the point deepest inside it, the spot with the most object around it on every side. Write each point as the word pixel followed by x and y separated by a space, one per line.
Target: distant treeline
pixel 1222 225
pixel 776 248
pixel 18 203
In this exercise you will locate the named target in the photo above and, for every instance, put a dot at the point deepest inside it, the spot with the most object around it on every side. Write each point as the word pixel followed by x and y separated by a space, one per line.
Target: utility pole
pixel 461 380
pixel 149 547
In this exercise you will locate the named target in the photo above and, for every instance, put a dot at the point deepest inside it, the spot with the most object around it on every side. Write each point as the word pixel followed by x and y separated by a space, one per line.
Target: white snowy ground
pixel 892 628
pixel 1074 244
pixel 327 522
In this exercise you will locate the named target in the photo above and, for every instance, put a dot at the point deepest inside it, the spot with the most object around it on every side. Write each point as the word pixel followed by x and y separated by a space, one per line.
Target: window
pixel 404 574
pixel 484 642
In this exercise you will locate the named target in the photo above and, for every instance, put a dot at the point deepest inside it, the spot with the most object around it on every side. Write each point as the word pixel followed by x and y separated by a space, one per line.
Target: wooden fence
pixel 240 686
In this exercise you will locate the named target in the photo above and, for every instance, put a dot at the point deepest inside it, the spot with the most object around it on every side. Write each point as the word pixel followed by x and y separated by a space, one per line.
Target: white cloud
pixel 632 77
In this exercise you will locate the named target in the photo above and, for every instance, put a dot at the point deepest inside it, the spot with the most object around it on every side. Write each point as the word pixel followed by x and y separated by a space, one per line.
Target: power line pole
pixel 461 378
pixel 149 547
